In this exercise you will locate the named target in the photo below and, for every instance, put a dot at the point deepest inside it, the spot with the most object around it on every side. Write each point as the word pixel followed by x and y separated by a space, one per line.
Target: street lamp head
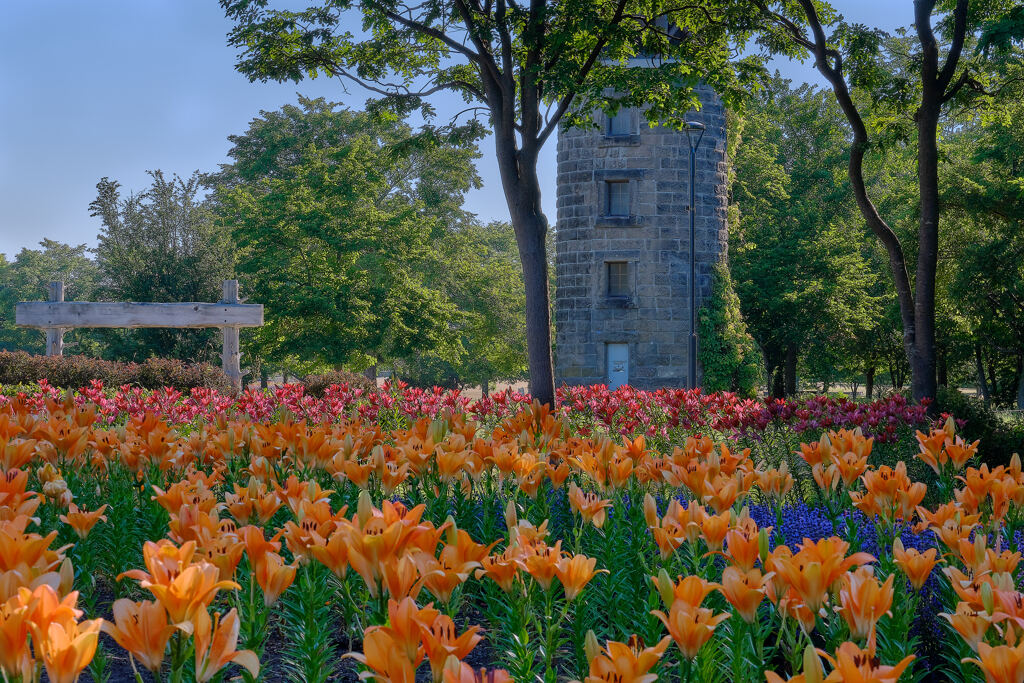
pixel 694 129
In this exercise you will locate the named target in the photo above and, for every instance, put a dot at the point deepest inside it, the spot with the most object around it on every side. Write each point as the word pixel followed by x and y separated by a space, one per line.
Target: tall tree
pixel 528 66
pixel 160 245
pixel 478 267
pixel 983 188
pixel 337 215
pixel 26 278
pixel 879 86
pixel 795 234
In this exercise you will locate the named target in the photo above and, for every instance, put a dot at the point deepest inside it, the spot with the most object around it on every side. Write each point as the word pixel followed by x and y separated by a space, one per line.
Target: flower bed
pixel 406 534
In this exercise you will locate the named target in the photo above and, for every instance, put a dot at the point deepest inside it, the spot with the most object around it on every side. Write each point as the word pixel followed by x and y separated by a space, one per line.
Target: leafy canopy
pixel 335 215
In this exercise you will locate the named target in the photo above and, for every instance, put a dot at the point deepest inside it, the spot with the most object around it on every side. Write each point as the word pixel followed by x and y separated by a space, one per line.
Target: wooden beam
pixel 232 353
pixel 45 314
pixel 55 335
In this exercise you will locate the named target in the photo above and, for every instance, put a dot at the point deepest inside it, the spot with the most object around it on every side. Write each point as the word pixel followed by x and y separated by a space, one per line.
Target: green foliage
pixel 479 269
pixel 408 52
pixel 805 278
pixel 336 215
pixel 1001 436
pixel 728 354
pixel 160 245
pixel 27 277
pixel 525 69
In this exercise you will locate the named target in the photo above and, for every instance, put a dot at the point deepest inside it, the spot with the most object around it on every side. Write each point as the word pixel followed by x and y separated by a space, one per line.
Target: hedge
pixel 316 385
pixel 72 372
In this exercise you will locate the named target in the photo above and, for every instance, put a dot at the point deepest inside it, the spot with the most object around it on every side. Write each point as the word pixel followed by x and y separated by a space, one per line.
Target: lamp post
pixel 694 134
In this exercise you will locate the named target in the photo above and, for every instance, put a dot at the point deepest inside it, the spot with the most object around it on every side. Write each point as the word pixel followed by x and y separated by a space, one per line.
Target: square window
pixel 621 122
pixel 618 198
pixel 618 278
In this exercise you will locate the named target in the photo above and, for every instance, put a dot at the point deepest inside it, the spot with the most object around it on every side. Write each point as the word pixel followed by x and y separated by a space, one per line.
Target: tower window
pixel 617 198
pixel 618 279
pixel 620 123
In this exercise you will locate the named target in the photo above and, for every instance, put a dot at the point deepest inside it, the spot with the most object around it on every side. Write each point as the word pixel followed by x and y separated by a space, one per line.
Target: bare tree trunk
pixel 522 192
pixel 791 356
pixel 778 382
pixel 853 392
pixel 922 363
pixel 980 369
pixel 993 382
pixel 1020 382
pixel 485 388
pixel 371 373
pixel 869 383
pixel 264 377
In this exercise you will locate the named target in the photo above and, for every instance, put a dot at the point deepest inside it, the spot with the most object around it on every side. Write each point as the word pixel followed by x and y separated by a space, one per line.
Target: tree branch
pixel 592 58
pixel 434 33
pixel 957 46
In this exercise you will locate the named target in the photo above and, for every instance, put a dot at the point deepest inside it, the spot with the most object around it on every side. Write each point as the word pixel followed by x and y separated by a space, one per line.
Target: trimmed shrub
pixel 72 372
pixel 1000 437
pixel 728 355
pixel 316 385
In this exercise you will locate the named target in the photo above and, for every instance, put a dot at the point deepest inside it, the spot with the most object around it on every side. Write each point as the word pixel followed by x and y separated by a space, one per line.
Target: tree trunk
pixel 853 392
pixel 979 367
pixel 1020 382
pixel 778 382
pixel 869 383
pixel 371 373
pixel 923 362
pixel 522 193
pixel 485 388
pixel 993 383
pixel 791 355
pixel 264 377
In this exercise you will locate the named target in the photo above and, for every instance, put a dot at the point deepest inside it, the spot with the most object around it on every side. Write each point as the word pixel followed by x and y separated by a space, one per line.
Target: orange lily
pixel 273 576
pixel 405 627
pixel 216 644
pixel 621 662
pixel 142 629
pixel 67 647
pixel 813 570
pixel 916 565
pixel 689 626
pixel 81 520
pixel 441 642
pixel 183 589
pixel 1002 664
pixel 502 568
pixel 15 655
pixel 588 505
pixel 714 528
pixel 970 623
pixel 385 659
pixel 863 601
pixel 744 590
pixel 460 672
pixel 853 665
pixel 576 572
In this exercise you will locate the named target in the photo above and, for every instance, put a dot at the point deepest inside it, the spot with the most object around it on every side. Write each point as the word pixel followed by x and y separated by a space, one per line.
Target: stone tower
pixel 622 302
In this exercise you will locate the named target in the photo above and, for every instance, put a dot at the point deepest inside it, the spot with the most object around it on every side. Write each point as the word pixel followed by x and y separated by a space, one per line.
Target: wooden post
pixel 55 335
pixel 232 354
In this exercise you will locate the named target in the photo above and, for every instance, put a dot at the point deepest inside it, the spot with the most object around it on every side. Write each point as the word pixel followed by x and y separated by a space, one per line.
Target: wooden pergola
pixel 230 314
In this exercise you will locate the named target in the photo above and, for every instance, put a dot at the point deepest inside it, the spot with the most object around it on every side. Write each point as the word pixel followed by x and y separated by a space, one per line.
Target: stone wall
pixel 653 240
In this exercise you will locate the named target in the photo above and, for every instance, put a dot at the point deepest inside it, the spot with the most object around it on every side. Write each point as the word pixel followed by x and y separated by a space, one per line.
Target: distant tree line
pixel 347 226
pixel 815 286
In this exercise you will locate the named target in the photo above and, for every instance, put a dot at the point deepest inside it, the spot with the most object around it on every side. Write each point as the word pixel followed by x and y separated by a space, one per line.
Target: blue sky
pixel 116 87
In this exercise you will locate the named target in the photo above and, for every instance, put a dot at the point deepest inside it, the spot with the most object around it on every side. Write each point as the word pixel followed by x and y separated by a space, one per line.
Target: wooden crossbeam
pixel 47 314
pixel 229 314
